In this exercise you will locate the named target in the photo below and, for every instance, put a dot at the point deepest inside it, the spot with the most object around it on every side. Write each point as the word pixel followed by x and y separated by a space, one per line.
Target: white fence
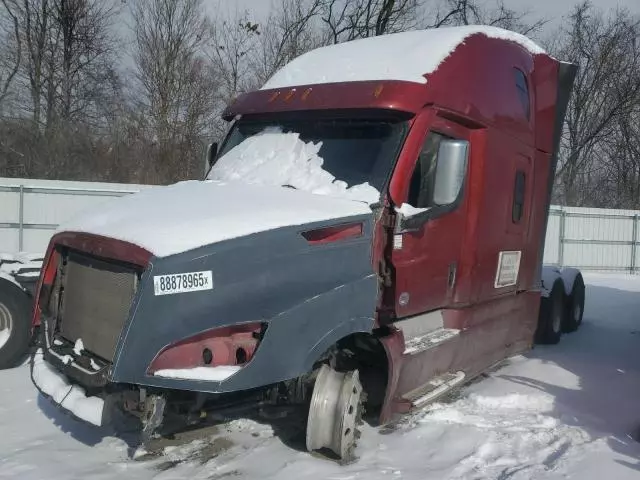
pixel 594 239
pixel 30 210
pixel 590 239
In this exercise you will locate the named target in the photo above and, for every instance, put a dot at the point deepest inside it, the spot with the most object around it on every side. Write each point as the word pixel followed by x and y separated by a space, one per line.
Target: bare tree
pixel 290 30
pixel 33 18
pixel 606 91
pixel 473 12
pixel 233 41
pixel 176 83
pixel 85 52
pixel 12 56
pixel 351 19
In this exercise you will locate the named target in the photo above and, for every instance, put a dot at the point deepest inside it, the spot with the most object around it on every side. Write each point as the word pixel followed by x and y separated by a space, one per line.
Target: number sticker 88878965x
pixel 182 282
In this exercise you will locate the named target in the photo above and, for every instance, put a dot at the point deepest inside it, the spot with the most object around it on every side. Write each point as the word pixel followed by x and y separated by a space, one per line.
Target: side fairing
pixel 310 296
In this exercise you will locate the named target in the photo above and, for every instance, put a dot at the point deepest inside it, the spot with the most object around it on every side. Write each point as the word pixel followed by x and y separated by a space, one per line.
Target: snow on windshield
pixel 274 157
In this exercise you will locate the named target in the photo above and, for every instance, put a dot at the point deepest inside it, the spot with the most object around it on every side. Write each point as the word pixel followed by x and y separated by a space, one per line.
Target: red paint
pixel 222 342
pixel 396 95
pixel 104 247
pixel 422 265
pixel 47 276
pixel 490 332
pixel 333 233
pixel 394 347
pixel 472 96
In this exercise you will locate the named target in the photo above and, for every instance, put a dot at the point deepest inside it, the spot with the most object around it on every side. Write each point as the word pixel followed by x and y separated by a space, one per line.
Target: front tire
pixel 551 318
pixel 15 324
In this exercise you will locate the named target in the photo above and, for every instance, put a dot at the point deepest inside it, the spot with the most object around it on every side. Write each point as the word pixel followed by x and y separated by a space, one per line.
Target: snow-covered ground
pixel 558 412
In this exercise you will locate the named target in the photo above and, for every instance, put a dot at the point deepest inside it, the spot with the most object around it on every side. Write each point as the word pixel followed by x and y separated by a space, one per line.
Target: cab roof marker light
pixel 273 96
pixel 290 95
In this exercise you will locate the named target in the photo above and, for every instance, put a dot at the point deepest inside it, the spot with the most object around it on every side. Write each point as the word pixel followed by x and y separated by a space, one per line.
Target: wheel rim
pixel 5 325
pixel 333 413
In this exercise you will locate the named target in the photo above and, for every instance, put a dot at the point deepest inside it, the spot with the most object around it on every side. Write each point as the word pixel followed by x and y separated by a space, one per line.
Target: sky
pixel 553 10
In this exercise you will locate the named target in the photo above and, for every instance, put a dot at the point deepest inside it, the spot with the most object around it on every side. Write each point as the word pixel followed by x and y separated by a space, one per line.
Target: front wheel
pixel 335 413
pixel 15 324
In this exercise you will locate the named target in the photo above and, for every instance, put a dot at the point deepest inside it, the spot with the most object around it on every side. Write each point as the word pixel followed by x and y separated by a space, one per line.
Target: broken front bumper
pixel 71 398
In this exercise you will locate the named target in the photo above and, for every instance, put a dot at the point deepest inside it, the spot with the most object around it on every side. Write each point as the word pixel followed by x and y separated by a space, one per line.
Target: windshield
pixel 344 158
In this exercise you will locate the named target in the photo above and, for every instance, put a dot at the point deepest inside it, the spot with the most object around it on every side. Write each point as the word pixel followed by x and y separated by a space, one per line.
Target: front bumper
pixel 71 398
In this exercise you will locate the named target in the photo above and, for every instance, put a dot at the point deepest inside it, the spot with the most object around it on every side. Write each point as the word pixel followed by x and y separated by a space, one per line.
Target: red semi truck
pixel 370 234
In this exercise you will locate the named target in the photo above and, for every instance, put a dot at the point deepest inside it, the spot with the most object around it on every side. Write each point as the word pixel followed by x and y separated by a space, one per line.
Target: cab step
pixel 415 345
pixel 434 389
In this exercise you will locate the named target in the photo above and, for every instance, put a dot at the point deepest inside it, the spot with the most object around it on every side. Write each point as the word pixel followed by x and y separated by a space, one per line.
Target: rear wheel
pixel 574 306
pixel 551 317
pixel 15 324
pixel 335 413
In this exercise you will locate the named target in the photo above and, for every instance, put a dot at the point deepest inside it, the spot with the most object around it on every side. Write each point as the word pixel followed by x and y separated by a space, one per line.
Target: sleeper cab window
pixel 439 172
pixel 523 92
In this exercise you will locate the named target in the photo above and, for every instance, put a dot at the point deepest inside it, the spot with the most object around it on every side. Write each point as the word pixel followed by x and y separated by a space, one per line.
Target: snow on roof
pixel 407 56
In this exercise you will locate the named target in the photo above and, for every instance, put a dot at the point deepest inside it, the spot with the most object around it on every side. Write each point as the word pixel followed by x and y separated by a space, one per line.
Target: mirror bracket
pixel 212 152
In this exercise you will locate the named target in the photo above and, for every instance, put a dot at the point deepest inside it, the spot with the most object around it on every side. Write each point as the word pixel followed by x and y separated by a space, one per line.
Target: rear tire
pixel 574 306
pixel 551 317
pixel 15 324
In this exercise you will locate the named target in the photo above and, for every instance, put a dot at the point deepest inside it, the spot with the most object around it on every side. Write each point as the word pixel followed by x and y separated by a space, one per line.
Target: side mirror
pixel 450 172
pixel 449 178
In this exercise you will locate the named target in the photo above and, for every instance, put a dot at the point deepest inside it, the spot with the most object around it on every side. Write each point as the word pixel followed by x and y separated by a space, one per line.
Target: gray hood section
pixel 310 295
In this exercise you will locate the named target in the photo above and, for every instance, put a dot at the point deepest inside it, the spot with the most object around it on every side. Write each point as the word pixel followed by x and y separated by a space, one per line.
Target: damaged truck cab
pixel 370 234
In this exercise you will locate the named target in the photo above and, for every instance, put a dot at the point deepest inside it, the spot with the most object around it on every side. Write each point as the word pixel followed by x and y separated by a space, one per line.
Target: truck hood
pixel 187 215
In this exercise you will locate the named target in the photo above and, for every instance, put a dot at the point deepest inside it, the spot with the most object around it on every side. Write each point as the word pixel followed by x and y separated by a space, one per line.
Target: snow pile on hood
pixel 188 215
pixel 407 56
pixel 273 157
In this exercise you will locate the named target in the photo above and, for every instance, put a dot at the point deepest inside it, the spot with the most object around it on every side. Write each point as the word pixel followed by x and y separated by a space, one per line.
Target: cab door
pixel 427 245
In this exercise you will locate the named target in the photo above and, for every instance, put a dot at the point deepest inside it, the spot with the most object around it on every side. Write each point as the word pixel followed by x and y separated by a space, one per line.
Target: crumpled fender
pixel 309 295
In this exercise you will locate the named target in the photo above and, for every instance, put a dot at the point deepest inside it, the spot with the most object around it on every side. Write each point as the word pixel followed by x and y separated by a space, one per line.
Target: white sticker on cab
pixel 182 282
pixel 508 269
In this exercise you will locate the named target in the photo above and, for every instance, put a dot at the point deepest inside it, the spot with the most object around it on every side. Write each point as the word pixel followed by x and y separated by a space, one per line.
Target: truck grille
pixel 96 299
